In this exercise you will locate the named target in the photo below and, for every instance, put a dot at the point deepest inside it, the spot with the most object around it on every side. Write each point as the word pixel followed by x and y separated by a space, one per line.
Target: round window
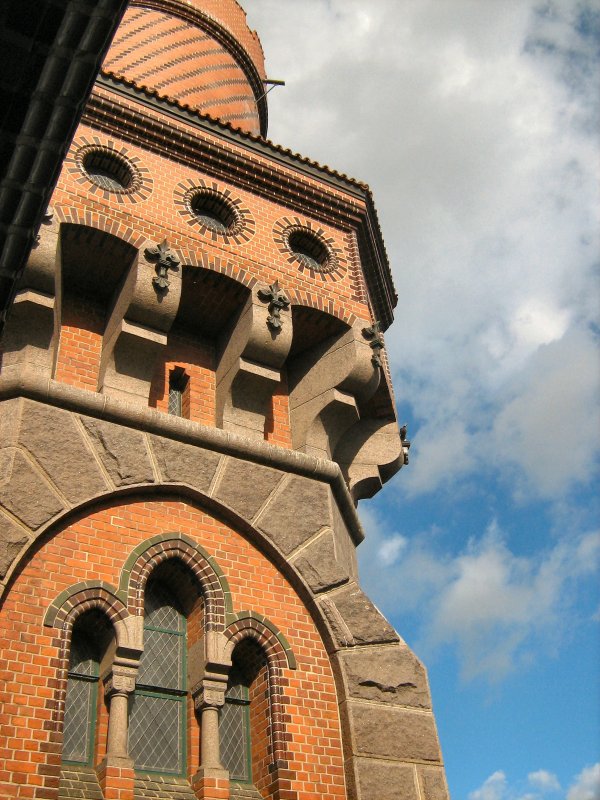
pixel 214 212
pixel 108 170
pixel 310 249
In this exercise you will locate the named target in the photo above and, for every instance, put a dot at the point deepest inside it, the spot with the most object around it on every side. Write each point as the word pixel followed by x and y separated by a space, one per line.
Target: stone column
pixel 211 779
pixel 115 772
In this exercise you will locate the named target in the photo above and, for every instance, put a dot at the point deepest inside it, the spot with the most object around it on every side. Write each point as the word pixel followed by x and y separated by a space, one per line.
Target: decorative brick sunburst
pixel 108 170
pixel 307 246
pixel 214 211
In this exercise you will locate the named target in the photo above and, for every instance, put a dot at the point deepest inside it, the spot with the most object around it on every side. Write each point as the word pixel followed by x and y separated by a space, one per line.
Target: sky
pixel 475 122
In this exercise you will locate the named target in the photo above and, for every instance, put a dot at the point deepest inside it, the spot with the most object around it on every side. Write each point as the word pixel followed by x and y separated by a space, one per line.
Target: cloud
pixel 587 784
pixel 494 788
pixel 544 780
pixel 474 123
pixel 496 610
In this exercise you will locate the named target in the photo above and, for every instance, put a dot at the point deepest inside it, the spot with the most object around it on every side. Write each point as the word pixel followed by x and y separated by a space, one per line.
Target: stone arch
pixel 148 555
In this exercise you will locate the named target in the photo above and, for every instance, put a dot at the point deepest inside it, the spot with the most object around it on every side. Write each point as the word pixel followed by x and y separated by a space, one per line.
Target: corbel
pixel 251 357
pixel 369 454
pixel 140 320
pixel 327 384
pixel 32 329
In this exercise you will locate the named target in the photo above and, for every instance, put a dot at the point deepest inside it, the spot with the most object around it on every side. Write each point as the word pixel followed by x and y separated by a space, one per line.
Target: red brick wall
pixel 95 547
pixel 80 344
pixel 197 359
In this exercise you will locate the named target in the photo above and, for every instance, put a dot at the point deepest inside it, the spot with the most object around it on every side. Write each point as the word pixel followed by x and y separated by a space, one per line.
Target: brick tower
pixel 194 395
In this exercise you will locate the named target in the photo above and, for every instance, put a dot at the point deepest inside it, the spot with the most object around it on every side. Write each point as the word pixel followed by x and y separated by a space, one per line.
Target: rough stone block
pixel 393 675
pixel 384 780
pixel 122 451
pixel 24 492
pixel 384 732
pixel 12 539
pixel 244 486
pixel 10 421
pixel 365 622
pixel 296 513
pixel 433 783
pixel 70 465
pixel 183 463
pixel 318 565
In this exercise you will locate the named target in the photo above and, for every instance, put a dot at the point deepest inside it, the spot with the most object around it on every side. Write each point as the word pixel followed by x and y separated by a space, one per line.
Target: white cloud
pixel 474 124
pixel 495 609
pixel 544 780
pixel 391 548
pixel 494 788
pixel 587 784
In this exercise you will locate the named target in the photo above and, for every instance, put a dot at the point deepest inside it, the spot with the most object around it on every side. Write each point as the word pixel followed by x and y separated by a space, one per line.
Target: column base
pixel 211 783
pixel 116 777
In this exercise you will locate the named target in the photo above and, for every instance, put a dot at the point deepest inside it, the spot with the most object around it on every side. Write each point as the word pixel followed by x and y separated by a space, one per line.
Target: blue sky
pixel 476 124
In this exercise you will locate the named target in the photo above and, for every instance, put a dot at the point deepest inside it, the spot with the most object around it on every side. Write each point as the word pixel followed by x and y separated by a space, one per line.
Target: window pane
pixel 160 609
pixel 175 402
pixel 161 660
pixel 234 736
pixel 155 733
pixel 82 659
pixel 78 720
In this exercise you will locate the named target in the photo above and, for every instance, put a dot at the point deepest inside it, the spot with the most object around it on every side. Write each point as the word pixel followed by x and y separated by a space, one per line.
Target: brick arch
pixel 70 604
pixel 279 655
pixel 148 555
pixel 94 219
pixel 299 297
pixel 215 263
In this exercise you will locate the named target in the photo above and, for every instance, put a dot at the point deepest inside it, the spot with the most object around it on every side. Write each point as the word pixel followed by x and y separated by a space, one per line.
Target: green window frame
pixel 79 726
pixel 157 713
pixel 234 732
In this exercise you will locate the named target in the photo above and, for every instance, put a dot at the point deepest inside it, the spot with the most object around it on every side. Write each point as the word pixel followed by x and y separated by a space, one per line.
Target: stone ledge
pixel 31 385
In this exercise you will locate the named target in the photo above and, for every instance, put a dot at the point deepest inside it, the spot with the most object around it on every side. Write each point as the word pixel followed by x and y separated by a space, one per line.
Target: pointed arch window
pixel 81 701
pixel 158 705
pixel 234 729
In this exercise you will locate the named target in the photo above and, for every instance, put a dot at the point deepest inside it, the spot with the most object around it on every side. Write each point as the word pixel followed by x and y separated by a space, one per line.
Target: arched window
pixel 89 640
pixel 82 697
pixel 158 705
pixel 245 718
pixel 234 729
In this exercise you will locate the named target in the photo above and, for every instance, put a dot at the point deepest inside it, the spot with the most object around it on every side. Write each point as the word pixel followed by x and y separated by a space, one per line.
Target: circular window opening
pixel 108 170
pixel 309 249
pixel 214 212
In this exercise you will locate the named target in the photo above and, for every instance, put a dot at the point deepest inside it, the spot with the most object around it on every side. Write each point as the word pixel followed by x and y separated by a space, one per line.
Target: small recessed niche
pixel 310 249
pixel 214 212
pixel 109 170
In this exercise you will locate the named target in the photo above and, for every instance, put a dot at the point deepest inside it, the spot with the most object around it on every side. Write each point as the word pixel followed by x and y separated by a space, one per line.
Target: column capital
pixel 209 694
pixel 120 680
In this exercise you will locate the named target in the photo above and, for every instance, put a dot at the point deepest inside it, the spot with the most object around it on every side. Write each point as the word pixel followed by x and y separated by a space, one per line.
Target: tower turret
pixel 194 396
pixel 201 54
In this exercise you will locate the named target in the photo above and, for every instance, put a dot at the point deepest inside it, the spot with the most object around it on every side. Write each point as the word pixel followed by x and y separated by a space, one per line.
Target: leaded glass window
pixel 157 713
pixel 82 693
pixel 234 732
pixel 177 383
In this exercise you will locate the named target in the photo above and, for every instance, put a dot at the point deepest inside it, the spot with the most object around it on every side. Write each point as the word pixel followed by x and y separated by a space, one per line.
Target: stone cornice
pixel 31 385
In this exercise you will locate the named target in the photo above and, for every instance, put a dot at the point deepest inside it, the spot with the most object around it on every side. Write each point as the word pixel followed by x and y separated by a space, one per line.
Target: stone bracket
pixel 31 333
pixel 137 329
pixel 249 366
pixel 369 454
pixel 327 384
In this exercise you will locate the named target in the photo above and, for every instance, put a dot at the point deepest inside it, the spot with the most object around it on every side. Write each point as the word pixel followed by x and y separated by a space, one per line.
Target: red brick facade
pixel 193 396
